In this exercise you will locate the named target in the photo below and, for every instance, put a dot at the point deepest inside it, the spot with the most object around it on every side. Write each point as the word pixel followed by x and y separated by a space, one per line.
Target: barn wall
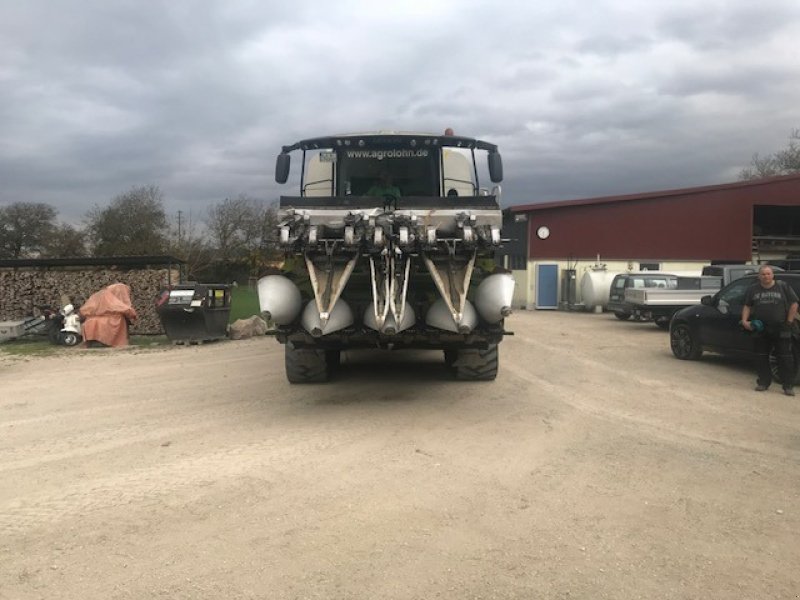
pixel 701 224
pixel 647 229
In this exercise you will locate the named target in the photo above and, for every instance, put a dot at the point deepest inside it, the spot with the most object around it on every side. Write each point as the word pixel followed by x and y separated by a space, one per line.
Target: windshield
pixel 731 298
pixel 411 172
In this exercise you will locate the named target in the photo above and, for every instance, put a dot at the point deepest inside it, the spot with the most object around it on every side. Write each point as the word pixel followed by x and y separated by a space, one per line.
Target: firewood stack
pixel 22 290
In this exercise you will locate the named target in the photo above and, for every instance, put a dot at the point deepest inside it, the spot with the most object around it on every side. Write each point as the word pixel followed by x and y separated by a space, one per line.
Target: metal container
pixel 595 288
pixel 195 312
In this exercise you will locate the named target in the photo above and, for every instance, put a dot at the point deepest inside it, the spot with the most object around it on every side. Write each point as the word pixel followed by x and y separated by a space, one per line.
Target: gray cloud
pixel 732 25
pixel 583 99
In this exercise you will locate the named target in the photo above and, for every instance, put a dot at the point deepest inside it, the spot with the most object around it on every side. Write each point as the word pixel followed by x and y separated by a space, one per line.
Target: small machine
pixel 61 327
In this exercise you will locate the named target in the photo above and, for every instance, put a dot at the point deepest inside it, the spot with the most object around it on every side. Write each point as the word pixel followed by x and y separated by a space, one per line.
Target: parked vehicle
pixel 107 315
pixel 64 326
pixel 659 304
pixel 730 273
pixel 647 296
pixel 60 326
pixel 617 303
pixel 714 325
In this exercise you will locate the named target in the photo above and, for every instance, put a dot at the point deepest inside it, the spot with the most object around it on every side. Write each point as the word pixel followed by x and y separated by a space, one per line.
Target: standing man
pixel 774 303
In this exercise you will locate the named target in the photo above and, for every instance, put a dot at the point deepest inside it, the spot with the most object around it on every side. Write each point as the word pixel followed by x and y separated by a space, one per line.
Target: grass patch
pixel 244 303
pixel 39 346
pixel 145 341
pixel 30 346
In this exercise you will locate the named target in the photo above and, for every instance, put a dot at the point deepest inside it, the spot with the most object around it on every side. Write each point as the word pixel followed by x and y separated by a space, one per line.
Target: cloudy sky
pixel 583 98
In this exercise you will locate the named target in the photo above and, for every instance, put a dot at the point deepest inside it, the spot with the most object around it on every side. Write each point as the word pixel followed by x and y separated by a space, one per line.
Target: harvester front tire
pixel 476 365
pixel 306 366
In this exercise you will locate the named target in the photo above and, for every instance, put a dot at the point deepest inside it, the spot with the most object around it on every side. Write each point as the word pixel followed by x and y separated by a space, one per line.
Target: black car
pixel 715 325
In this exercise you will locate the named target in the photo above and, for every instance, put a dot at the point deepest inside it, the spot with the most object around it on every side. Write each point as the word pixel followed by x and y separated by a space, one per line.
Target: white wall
pixel 525 293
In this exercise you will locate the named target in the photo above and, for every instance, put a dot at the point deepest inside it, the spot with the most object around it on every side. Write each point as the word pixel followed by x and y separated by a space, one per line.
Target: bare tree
pixel 269 233
pixel 235 227
pixel 189 242
pixel 133 224
pixel 25 228
pixel 783 162
pixel 65 241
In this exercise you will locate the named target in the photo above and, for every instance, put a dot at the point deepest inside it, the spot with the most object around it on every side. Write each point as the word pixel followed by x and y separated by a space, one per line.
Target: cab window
pixel 414 174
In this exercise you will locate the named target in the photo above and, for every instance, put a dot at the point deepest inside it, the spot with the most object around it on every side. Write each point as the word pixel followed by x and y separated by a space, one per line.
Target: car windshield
pixel 731 298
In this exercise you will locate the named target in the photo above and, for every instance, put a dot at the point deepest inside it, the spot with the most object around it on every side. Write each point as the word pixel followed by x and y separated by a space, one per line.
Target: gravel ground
pixel 596 466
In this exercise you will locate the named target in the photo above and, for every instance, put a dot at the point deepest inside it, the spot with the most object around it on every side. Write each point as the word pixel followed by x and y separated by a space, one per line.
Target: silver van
pixel 646 279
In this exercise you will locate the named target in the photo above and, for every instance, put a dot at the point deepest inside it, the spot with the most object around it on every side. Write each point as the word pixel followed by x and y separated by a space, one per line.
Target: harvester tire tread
pixel 306 366
pixel 477 364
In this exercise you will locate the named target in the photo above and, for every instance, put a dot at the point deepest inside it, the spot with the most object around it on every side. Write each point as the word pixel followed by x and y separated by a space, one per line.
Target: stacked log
pixel 24 289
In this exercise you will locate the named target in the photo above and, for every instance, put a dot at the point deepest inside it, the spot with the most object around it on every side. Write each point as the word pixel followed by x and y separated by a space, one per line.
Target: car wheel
pixel 683 343
pixel 622 316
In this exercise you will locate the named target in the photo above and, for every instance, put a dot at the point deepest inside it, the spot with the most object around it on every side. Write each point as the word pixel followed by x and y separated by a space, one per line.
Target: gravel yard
pixel 596 466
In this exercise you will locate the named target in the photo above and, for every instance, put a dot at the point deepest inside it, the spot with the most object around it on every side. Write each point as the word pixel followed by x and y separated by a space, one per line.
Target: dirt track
pixel 596 466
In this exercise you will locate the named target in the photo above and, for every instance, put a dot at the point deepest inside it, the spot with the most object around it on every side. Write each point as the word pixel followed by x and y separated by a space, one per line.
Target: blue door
pixel 546 286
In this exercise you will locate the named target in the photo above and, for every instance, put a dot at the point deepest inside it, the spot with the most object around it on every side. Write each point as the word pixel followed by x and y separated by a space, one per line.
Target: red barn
pixel 677 230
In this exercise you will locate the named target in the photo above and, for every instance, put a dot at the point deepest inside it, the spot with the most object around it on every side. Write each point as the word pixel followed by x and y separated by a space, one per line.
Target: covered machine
pixel 390 244
pixel 107 315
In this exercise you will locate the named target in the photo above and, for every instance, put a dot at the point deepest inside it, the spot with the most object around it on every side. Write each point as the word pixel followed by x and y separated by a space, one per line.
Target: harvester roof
pixel 390 139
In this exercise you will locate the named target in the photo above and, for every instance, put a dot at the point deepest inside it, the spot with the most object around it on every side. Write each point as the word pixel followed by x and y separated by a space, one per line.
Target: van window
pixel 654 282
pixel 739 273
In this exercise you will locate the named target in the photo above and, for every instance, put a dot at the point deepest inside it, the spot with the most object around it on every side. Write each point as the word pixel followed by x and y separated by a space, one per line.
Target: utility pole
pixel 180 214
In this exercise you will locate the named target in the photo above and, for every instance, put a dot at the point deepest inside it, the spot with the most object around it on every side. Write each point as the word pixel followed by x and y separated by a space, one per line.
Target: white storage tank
pixel 596 287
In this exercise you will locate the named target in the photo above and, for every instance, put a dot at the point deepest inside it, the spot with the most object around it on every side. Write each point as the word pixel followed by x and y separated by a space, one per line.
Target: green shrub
pixel 244 303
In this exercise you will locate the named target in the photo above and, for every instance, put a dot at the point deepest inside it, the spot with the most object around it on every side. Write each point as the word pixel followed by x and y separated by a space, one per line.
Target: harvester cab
pixel 389 243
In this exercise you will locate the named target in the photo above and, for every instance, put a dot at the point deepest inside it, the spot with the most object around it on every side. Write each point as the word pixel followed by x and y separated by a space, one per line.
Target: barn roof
pixel 654 195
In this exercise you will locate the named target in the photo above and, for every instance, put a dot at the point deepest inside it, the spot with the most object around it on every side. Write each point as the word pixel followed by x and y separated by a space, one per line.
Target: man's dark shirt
pixel 770 305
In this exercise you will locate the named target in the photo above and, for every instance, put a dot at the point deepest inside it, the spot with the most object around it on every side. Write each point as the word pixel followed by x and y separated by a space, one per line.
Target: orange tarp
pixel 107 313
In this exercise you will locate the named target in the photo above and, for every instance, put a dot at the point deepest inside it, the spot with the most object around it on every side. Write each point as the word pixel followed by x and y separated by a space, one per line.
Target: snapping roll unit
pixel 389 258
pixel 280 301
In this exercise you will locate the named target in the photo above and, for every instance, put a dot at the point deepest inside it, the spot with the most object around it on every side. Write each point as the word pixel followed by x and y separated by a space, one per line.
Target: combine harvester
pixel 390 245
